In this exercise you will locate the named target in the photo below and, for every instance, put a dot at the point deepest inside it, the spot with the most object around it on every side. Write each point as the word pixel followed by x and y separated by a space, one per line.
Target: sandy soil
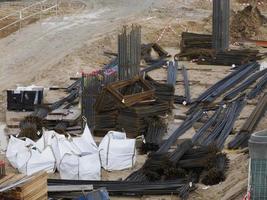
pixel 50 51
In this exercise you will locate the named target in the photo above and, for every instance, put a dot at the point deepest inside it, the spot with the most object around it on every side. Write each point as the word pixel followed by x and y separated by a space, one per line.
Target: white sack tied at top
pixel 78 157
pixel 117 152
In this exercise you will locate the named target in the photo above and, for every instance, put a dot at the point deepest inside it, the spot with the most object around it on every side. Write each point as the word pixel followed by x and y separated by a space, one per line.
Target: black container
pixel 24 100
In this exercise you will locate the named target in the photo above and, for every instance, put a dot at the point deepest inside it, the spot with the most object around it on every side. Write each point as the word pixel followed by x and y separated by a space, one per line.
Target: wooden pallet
pixel 32 187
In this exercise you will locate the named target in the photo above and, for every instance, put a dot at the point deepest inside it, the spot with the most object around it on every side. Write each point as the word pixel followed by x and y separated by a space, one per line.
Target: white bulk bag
pixel 80 167
pixel 18 151
pixel 86 143
pixel 39 161
pixel 27 158
pixel 117 152
pixel 78 157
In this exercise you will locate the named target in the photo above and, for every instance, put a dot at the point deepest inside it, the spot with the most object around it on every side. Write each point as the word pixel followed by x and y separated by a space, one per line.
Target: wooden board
pixel 35 187
pixel 13 118
pixel 68 115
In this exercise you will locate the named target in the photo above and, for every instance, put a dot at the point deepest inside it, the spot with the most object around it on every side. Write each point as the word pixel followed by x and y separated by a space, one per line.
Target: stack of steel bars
pixel 121 188
pixel 220 25
pixel 225 84
pixel 129 48
pixel 242 137
pixel 134 119
pixel 216 130
pixel 154 134
pixel 172 73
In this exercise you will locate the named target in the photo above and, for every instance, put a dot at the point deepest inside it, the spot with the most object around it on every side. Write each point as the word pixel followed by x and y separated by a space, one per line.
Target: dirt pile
pixel 246 23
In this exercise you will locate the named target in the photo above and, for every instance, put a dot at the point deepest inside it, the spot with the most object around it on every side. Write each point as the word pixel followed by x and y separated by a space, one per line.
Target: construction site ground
pixel 48 52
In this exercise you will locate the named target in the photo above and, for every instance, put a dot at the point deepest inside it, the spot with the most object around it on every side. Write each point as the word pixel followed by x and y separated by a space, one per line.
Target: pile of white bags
pixel 117 152
pixel 75 158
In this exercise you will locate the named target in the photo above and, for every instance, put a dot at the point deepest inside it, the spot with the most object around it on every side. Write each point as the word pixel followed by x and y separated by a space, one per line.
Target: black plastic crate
pixel 23 100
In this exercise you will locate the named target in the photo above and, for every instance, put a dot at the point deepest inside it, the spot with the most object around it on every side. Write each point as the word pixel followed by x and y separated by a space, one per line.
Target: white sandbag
pixel 117 152
pixel 80 167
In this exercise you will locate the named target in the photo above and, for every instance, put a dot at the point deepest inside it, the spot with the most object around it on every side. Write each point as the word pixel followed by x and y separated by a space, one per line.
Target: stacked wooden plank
pixel 22 187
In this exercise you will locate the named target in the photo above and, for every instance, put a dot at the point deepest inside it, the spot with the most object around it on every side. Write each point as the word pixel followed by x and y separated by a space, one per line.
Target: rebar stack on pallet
pixel 129 48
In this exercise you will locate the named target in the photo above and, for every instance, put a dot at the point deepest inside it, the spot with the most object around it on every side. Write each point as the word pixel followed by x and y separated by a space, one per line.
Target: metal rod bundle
pixel 181 187
pixel 242 137
pixel 186 125
pixel 225 84
pixel 154 134
pixel 129 48
pixel 172 73
pixel 245 85
pixel 186 85
pixel 261 85
pixel 92 86
pixel 216 130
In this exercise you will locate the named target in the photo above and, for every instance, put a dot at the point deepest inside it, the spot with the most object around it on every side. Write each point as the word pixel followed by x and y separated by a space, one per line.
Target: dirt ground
pixel 52 50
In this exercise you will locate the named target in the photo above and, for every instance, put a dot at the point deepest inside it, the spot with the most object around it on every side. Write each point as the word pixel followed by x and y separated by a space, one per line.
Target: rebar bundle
pixel 242 137
pixel 225 84
pixel 245 85
pixel 172 73
pixel 218 128
pixel 186 125
pixel 261 85
pixel 129 48
pixel 153 135
pixel 163 92
pixel 220 25
pixel 92 86
pixel 186 85
pixel 182 187
pixel 191 41
pixel 134 119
